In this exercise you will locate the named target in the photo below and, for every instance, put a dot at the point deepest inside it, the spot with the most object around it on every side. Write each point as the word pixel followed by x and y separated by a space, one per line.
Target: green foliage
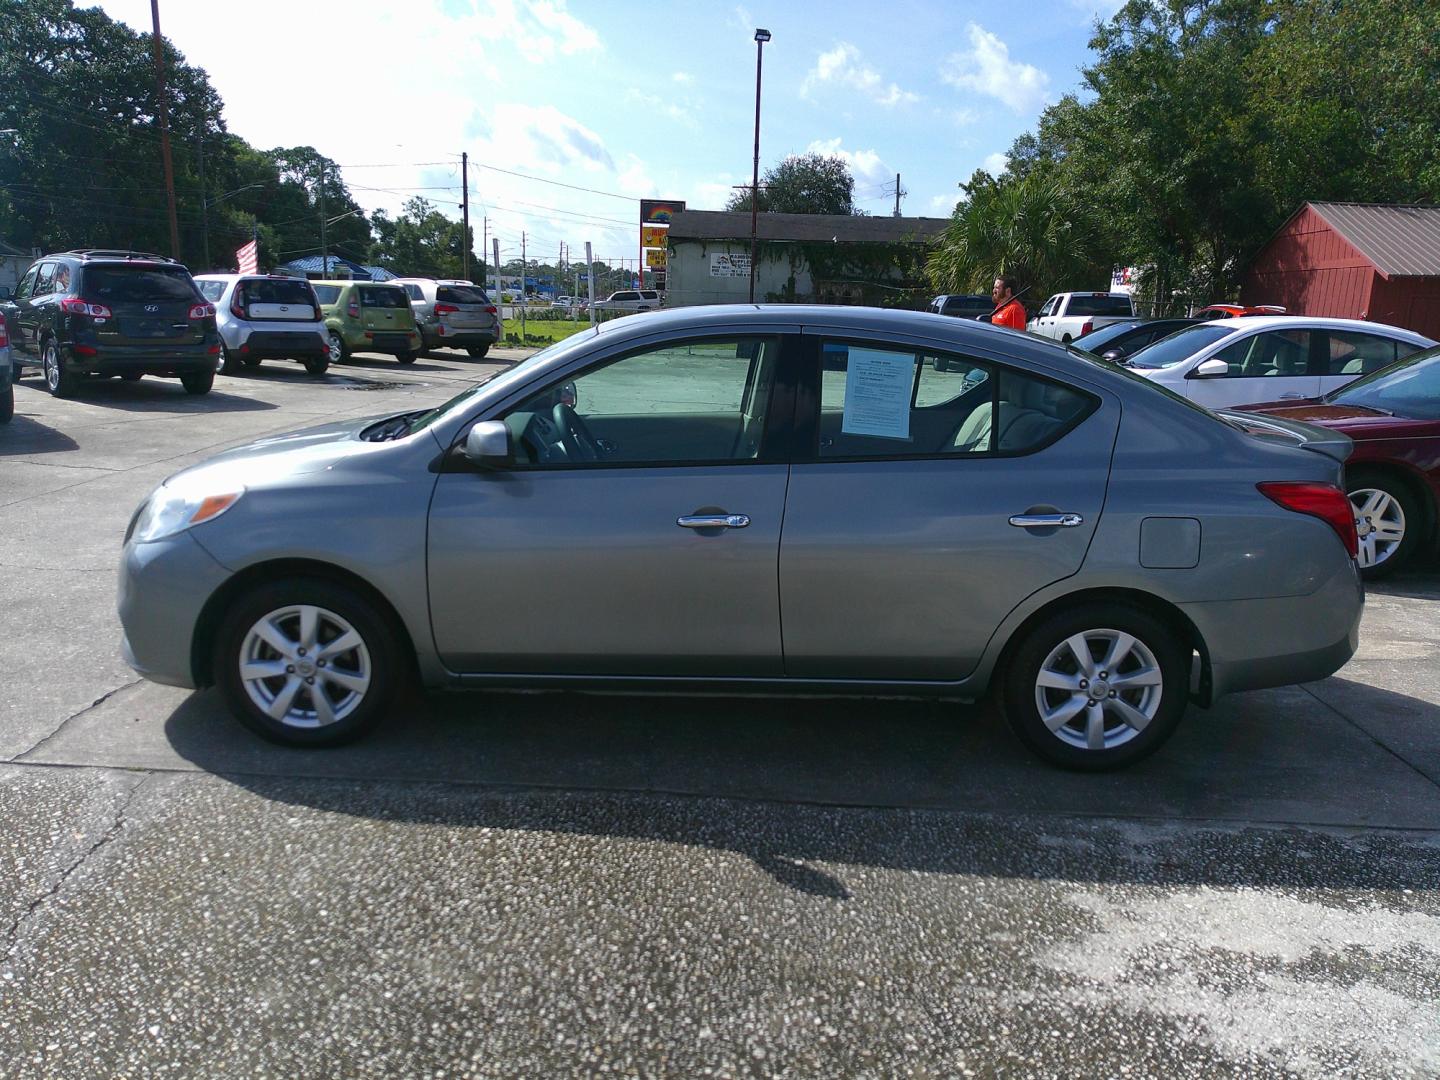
pixel 803 184
pixel 1025 227
pixel 421 242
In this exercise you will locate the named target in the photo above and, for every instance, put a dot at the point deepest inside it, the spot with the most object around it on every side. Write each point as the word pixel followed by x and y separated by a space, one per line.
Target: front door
pixel 636 534
pixel 1272 365
pixel 899 558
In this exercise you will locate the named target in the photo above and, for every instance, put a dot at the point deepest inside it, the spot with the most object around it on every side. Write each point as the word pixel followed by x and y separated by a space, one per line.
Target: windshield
pixel 1141 380
pixel 1178 347
pixel 1409 388
pixel 519 373
pixel 1098 339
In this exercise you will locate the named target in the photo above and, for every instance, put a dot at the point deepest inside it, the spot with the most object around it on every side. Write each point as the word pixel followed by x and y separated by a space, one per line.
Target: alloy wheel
pixel 304 666
pixel 1379 523
pixel 337 349
pixel 51 363
pixel 1098 689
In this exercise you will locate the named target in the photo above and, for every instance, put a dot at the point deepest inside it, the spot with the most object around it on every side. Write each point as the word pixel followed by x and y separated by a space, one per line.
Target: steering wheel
pixel 575 436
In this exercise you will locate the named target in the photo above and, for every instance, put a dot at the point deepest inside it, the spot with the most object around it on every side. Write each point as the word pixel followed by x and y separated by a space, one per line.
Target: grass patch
pixel 543 331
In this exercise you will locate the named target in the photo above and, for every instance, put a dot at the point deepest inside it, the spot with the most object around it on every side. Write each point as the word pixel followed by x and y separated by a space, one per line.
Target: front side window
pixel 1048 308
pixel 46 280
pixel 697 402
pixel 1276 352
pixel 879 402
pixel 26 287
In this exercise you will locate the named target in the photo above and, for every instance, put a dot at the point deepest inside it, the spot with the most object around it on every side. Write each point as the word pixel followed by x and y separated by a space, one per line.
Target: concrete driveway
pixel 545 885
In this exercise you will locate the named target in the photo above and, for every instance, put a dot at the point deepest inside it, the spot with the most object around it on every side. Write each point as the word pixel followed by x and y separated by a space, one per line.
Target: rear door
pixel 899 557
pixel 150 303
pixel 463 307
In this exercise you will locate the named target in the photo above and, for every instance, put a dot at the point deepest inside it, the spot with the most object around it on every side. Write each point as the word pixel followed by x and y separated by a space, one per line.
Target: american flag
pixel 248 258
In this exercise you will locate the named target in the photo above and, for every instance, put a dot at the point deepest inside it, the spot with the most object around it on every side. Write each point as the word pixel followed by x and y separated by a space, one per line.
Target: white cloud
pixel 995 164
pixel 987 69
pixel 742 18
pixel 542 138
pixel 677 111
pixel 842 66
pixel 944 204
pixel 712 194
pixel 539 29
pixel 865 165
pixel 684 78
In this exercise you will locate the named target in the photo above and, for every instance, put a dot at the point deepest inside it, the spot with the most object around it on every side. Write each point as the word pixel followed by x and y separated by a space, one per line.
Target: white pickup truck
pixel 1066 316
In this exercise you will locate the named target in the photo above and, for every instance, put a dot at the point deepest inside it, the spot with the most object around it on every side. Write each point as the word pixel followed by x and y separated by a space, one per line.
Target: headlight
pixel 173 510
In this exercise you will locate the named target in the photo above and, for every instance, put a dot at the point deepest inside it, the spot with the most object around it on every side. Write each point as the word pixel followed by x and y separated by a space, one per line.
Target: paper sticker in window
pixel 877 394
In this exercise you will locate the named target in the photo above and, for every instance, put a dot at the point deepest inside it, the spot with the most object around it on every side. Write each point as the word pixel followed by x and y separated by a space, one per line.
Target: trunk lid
pixel 277 300
pixel 385 309
pixel 471 307
pixel 1327 441
pixel 148 302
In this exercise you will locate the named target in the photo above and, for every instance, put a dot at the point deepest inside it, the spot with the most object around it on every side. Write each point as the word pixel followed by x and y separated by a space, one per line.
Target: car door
pixel 13 308
pixel 1045 318
pixel 34 310
pixel 1269 365
pixel 925 504
pixel 638 530
pixel 1345 355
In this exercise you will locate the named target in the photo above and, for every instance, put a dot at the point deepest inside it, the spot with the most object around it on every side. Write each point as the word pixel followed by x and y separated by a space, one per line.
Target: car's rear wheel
pixel 317 365
pixel 1097 687
pixel 477 352
pixel 306 662
pixel 60 383
pixel 1387 521
pixel 338 352
pixel 406 357
pixel 226 360
pixel 198 382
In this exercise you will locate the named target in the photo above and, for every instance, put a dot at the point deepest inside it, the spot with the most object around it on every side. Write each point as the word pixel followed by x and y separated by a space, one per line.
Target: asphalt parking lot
pixel 552 885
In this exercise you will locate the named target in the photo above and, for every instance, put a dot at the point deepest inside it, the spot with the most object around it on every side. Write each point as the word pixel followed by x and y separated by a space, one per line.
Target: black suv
pixel 100 313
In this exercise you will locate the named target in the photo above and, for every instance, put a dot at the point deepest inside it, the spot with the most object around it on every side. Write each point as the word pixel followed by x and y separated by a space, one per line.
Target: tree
pixel 803 184
pixel 421 242
pixel 1026 228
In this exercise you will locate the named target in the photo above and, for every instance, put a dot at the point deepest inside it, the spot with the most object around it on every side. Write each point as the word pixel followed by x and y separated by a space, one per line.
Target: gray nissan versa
pixel 695 501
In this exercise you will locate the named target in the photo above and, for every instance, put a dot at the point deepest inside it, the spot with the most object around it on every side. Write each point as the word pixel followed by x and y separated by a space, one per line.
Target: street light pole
pixel 761 36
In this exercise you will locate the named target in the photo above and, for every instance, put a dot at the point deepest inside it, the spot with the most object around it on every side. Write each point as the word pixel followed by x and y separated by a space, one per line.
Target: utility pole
pixel 499 285
pixel 590 281
pixel 204 201
pixel 761 36
pixel 324 248
pixel 484 247
pixel 465 208
pixel 163 114
pixel 524 266
pixel 898 192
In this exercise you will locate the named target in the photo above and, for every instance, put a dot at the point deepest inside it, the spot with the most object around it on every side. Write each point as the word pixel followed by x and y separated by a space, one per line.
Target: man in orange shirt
pixel 1008 311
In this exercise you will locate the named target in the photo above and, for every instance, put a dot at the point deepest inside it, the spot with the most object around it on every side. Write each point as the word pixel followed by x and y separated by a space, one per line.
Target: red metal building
pixel 1354 261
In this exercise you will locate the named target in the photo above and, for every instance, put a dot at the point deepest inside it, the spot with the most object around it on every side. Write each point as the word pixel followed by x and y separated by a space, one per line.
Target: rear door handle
pixel 1291 395
pixel 712 521
pixel 1046 521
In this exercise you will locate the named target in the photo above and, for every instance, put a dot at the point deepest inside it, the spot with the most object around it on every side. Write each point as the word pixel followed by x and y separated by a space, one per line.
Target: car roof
pixel 1306 322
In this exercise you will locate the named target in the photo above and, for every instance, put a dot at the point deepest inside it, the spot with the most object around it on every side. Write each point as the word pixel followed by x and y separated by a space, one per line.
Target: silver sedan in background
pixel 771 499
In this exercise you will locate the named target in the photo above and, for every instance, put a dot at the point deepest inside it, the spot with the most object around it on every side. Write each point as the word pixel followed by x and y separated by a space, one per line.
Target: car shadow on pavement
pixel 161 395
pixel 373 362
pixel 801 785
pixel 22 435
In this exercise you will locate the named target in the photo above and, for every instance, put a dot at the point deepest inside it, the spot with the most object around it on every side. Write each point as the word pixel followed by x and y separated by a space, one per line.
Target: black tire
pixel 1410 515
pixel 7 404
pixel 1127 745
pixel 316 365
pixel 407 357
pixel 477 352
pixel 339 351
pixel 226 361
pixel 198 382
pixel 132 376
pixel 250 363
pixel 381 646
pixel 60 383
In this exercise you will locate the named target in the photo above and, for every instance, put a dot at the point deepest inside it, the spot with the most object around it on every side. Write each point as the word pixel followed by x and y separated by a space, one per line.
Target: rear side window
pixel 878 402
pixel 137 284
pixel 460 294
pixel 1352 353
pixel 385 296
pixel 271 291
pixel 327 294
pixel 1099 305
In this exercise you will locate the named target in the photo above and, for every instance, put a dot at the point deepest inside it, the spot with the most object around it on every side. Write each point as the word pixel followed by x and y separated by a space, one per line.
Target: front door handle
pixel 1046 521
pixel 712 521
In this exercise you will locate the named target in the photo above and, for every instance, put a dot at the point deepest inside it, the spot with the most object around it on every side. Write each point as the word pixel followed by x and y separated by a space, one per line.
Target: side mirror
pixel 5 293
pixel 1113 355
pixel 1213 368
pixel 488 445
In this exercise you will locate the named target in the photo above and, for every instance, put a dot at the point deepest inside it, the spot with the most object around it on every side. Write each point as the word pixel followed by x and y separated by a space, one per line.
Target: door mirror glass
pixel 488 445
pixel 1213 368
pixel 4 292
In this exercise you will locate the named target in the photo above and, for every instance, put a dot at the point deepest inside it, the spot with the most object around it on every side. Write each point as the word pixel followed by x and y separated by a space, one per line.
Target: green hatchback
pixel 366 316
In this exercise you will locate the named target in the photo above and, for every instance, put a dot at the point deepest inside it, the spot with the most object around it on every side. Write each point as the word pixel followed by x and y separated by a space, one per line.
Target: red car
pixel 1234 311
pixel 1393 477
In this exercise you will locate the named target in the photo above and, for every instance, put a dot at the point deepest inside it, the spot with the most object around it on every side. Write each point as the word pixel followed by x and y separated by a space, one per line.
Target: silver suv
pixel 266 317
pixel 452 312
pixel 628 300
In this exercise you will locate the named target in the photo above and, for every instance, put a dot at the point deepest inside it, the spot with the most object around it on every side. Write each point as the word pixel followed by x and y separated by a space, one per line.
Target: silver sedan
pixel 771 499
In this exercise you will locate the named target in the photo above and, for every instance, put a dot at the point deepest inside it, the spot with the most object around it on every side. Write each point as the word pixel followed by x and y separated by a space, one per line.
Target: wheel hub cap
pixel 304 666
pixel 1099 689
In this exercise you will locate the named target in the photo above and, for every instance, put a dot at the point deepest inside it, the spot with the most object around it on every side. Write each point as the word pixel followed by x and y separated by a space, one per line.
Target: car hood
pixel 280 457
pixel 1355 420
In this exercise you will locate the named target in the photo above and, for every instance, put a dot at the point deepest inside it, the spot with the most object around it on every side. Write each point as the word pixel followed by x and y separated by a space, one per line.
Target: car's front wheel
pixel 1387 521
pixel 307 662
pixel 406 357
pixel 1097 687
pixel 338 352
pixel 477 352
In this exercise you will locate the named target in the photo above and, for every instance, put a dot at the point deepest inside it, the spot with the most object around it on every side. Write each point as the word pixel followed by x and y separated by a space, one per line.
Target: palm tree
pixel 1025 227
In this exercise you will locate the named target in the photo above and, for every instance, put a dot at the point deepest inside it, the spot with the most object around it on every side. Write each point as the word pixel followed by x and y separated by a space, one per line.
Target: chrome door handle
pixel 1046 521
pixel 712 521
pixel 1290 396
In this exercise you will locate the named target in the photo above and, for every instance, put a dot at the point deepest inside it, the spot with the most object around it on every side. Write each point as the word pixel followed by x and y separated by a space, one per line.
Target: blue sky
pixel 630 100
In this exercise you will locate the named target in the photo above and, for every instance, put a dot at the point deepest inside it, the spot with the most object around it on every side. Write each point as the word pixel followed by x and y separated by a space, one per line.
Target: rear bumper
pixel 1280 641
pixel 460 339
pixel 146 359
pixel 388 341
pixel 281 344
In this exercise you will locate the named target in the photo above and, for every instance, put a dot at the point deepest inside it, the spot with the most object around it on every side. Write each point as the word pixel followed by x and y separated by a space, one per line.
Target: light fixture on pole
pixel 761 36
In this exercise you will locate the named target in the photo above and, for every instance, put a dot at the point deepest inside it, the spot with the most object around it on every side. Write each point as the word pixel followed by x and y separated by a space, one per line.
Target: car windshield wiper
pixel 394 428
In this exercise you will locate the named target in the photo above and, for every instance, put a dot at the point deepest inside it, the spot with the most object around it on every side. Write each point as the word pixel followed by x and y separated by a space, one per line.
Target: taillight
pixel 492 310
pixel 202 311
pixel 80 307
pixel 353 310
pixel 1329 504
pixel 1087 326
pixel 318 313
pixel 4 334
pixel 446 309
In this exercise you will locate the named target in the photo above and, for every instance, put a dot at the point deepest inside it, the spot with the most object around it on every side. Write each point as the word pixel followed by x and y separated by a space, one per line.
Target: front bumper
pixel 163 588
